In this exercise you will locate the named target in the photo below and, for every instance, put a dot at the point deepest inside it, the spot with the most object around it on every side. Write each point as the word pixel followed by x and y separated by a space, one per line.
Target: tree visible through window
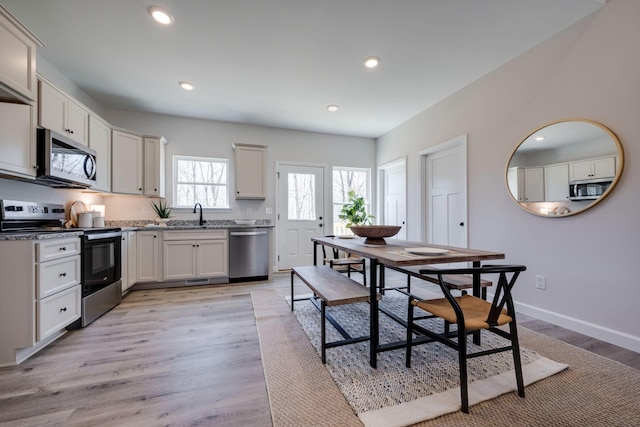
pixel 302 194
pixel 344 180
pixel 201 180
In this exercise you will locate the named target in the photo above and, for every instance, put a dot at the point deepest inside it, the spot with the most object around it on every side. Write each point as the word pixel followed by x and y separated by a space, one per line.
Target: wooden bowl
pixel 375 234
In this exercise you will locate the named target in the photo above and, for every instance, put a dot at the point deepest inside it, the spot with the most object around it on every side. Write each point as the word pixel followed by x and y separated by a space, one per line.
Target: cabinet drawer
pixel 58 311
pixel 57 248
pixel 194 234
pixel 55 276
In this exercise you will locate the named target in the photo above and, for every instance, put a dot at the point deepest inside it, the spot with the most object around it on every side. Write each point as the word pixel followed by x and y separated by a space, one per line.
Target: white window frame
pixel 226 186
pixel 334 204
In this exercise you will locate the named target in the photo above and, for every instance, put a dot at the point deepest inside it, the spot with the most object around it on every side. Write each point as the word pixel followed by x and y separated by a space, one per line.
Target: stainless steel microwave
pixel 63 163
pixel 588 189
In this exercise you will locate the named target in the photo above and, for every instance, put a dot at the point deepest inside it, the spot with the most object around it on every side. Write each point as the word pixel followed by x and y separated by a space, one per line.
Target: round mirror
pixel 564 168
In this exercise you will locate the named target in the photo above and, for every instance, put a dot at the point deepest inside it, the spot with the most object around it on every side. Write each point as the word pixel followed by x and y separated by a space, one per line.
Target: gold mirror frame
pixel 572 135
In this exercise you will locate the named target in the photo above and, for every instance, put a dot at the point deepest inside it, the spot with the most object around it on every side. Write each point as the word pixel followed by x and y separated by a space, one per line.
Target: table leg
pixel 477 292
pixel 373 316
pixel 315 253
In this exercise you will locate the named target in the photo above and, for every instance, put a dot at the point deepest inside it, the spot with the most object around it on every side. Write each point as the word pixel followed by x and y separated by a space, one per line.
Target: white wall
pixel 591 70
pixel 196 137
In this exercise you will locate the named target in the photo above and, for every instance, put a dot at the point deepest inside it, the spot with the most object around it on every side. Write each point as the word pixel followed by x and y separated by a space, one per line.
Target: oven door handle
pixel 101 236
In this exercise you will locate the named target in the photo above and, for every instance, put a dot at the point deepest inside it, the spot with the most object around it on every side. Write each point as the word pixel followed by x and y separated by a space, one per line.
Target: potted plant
pixel 359 221
pixel 354 212
pixel 163 211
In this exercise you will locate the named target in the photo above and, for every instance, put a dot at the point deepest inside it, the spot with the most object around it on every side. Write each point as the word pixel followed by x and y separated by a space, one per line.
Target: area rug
pixel 393 394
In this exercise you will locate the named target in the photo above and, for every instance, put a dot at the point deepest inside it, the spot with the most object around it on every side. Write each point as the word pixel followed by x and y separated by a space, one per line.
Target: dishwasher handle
pixel 247 233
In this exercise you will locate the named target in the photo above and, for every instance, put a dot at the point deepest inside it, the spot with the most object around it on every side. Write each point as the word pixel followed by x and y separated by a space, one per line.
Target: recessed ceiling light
pixel 160 15
pixel 540 138
pixel 186 85
pixel 371 62
pixel 332 107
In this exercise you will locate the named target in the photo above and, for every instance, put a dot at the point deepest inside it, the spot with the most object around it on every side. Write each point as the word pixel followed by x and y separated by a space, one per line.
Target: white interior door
pixel 447 196
pixel 300 213
pixel 394 196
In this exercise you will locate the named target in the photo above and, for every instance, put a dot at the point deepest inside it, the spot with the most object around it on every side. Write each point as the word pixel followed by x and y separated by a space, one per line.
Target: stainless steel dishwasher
pixel 248 254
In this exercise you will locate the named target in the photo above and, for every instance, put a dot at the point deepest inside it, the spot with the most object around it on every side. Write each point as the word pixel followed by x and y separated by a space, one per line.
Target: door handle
pixel 462 224
pixel 320 218
pixel 320 225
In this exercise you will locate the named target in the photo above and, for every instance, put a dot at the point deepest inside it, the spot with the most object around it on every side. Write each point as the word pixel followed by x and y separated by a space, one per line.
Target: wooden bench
pixel 330 288
pixel 458 282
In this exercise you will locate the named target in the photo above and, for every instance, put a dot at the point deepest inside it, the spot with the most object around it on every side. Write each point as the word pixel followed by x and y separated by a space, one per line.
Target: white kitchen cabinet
pixel 190 254
pixel 154 158
pixel 556 183
pixel 40 294
pixel 250 171
pixel 17 140
pixel 100 141
pixel 62 114
pixel 126 163
pixel 132 265
pixel 17 61
pixel 148 256
pixel 592 169
pixel 526 184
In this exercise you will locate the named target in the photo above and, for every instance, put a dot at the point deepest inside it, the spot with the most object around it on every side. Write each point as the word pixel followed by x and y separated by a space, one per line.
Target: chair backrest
pixel 502 295
pixel 335 251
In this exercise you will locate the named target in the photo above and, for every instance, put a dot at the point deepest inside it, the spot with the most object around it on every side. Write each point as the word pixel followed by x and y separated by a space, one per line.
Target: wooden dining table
pixel 398 254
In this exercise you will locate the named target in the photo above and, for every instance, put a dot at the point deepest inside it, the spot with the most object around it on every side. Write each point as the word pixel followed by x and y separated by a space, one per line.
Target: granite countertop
pixel 137 225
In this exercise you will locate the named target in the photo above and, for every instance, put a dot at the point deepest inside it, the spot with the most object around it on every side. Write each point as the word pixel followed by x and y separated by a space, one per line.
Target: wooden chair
pixel 470 314
pixel 345 264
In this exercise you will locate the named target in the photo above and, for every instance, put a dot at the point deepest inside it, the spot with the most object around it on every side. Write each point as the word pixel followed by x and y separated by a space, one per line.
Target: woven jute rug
pixel 593 391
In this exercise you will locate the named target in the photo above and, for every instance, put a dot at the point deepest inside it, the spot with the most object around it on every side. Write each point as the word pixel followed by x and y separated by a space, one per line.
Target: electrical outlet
pixel 541 282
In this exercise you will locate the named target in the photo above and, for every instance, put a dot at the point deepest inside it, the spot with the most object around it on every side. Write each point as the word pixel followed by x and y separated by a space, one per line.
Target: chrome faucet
pixel 194 211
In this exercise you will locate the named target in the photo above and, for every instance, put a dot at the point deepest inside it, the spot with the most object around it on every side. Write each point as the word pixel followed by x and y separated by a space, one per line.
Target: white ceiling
pixel 281 62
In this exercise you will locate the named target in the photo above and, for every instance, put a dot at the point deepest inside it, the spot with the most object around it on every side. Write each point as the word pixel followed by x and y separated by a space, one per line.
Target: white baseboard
pixel 602 333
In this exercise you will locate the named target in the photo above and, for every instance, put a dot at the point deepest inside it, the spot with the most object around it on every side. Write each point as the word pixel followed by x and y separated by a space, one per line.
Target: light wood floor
pixel 170 357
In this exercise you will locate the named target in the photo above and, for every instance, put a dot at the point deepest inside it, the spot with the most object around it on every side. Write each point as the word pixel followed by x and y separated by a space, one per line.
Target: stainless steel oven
pixel 101 272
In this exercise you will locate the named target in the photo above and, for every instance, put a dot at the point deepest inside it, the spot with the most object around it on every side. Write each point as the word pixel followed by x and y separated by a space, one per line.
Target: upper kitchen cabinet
pixel 154 148
pixel 17 61
pixel 17 140
pixel 61 114
pixel 250 171
pixel 100 141
pixel 127 163
pixel 592 169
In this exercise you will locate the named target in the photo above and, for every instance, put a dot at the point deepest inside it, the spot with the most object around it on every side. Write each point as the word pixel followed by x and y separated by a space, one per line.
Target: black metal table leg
pixel 373 306
pixel 477 292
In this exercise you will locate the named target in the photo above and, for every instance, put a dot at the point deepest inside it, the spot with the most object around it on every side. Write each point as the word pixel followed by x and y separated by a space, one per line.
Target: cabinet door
pixel 52 107
pixel 534 184
pixel 154 167
pixel 250 172
pixel 77 119
pixel 131 262
pixel 148 256
pixel 556 183
pixel 604 168
pixel 17 63
pixel 126 161
pixel 124 261
pixel 100 141
pixel 212 258
pixel 17 141
pixel 179 259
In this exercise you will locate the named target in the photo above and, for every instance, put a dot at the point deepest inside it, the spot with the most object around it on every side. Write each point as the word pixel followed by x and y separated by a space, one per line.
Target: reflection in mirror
pixel 565 168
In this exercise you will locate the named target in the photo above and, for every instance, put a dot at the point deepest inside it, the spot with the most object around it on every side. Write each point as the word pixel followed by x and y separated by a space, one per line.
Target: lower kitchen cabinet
pixel 40 294
pixel 192 254
pixel 128 260
pixel 148 259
